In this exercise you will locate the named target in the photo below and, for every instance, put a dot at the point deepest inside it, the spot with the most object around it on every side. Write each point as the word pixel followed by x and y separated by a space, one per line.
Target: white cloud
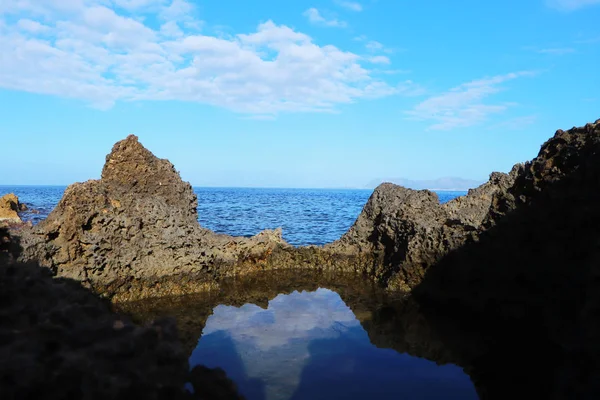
pixel 90 51
pixel 266 339
pixel 178 9
pixel 571 5
pixel 32 26
pixel 350 5
pixel 315 17
pixel 373 45
pixel 379 60
pixel 558 51
pixel 463 105
pixel 171 29
pixel 138 4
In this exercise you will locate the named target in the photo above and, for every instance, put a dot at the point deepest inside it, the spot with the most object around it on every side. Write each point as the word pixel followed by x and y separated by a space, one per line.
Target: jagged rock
pixel 409 230
pixel 136 230
pixel 9 208
pixel 134 233
pixel 539 258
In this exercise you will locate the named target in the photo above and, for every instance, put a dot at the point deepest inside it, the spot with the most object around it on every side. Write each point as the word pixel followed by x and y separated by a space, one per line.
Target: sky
pixel 271 93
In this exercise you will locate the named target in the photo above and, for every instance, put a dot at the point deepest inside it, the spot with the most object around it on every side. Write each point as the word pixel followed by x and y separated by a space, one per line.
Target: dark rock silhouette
pixel 538 261
pixel 59 340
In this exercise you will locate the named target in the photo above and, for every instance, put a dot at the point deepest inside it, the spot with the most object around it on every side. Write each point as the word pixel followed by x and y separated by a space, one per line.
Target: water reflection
pixel 309 345
pixel 306 335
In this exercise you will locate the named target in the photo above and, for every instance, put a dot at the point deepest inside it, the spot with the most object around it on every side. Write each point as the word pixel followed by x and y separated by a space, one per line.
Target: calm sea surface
pixel 284 338
pixel 290 335
pixel 307 216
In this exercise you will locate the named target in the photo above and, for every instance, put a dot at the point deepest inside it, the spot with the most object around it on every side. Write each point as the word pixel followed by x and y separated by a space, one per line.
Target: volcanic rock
pixel 60 341
pixel 135 231
pixel 9 208
pixel 409 230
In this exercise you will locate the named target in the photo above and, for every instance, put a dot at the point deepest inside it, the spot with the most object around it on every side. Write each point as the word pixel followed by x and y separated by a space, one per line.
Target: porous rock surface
pixel 135 228
pixel 409 230
pixel 9 208
pixel 134 233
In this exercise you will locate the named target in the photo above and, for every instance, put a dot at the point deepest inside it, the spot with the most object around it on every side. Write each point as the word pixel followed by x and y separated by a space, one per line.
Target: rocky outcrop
pixel 134 233
pixel 539 258
pixel 9 208
pixel 409 230
pixel 59 341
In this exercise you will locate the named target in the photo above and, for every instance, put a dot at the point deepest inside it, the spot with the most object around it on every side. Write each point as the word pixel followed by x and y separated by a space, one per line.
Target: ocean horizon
pixel 307 216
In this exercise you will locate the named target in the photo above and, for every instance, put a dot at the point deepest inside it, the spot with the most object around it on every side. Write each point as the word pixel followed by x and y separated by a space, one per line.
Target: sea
pixel 306 216
pixel 285 336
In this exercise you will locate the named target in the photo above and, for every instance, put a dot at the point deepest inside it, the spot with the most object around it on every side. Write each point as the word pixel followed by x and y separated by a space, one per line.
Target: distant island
pixel 446 183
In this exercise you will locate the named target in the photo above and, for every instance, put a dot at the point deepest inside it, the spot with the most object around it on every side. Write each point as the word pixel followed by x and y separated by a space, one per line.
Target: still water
pixel 279 338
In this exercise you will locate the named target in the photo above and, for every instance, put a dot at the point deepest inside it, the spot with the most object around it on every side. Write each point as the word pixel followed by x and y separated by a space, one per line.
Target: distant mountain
pixel 446 183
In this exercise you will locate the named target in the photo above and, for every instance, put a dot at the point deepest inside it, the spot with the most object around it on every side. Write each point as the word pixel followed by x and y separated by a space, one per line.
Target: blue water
pixel 307 216
pixel 309 346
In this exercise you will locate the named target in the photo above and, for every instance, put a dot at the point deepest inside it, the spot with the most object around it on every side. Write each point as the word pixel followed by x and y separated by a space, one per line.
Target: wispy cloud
pixel 380 60
pixel 350 5
pixel 589 40
pixel 315 17
pixel 374 46
pixel 89 51
pixel 32 26
pixel 463 106
pixel 557 51
pixel 571 5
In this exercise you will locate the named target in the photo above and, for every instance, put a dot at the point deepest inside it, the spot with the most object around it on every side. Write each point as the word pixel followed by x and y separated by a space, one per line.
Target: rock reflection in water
pixel 306 335
pixel 309 345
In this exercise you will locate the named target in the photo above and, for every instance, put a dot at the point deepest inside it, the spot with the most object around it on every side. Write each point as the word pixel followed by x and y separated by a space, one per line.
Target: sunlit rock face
pixel 309 345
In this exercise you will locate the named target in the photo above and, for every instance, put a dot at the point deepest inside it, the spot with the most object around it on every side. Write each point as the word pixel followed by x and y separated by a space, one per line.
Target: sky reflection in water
pixel 309 345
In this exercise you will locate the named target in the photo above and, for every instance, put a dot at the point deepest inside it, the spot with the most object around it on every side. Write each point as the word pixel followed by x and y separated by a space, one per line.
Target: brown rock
pixel 9 208
pixel 135 231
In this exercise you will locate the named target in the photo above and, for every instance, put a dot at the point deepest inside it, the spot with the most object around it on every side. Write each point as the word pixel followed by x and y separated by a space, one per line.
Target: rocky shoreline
pixel 521 249
pixel 134 233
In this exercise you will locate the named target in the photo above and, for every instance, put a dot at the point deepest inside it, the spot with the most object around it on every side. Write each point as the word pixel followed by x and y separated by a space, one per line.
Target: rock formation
pixel 59 341
pixel 409 230
pixel 134 233
pixel 9 208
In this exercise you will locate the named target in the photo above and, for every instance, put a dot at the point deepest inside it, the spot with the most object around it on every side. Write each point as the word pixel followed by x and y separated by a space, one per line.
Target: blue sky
pixel 322 93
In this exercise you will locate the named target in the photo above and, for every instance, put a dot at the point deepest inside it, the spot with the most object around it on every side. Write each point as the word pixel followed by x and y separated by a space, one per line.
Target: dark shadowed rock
pixel 538 261
pixel 59 341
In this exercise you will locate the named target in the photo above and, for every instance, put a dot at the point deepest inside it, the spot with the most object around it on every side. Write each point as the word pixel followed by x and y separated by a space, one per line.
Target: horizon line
pixel 253 187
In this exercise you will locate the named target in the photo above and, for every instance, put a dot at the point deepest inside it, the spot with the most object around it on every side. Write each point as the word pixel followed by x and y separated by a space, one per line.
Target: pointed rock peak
pixel 130 163
pixel 129 154
pixel 130 168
